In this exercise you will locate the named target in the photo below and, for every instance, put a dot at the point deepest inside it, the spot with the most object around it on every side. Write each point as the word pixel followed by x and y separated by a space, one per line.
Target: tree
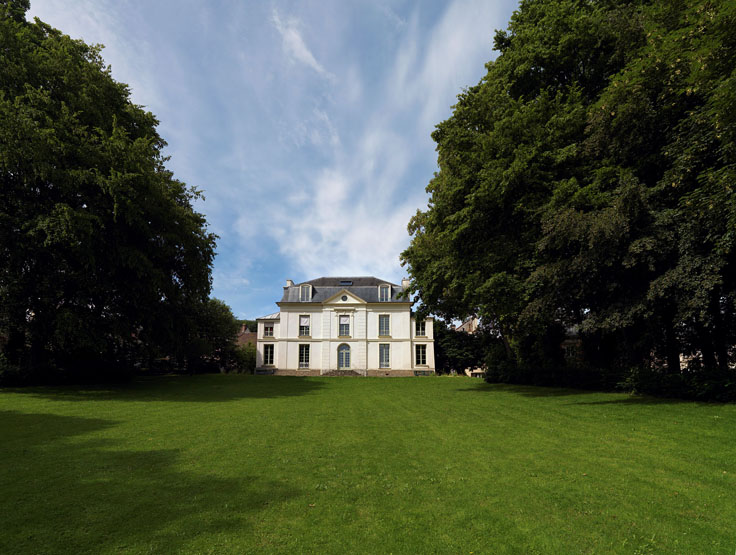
pixel 212 344
pixel 101 252
pixel 586 183
pixel 457 350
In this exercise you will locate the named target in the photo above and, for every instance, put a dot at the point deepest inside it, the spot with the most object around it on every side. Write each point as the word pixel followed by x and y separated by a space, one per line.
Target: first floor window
pixel 345 325
pixel 383 324
pixel 268 355
pixel 268 330
pixel 384 355
pixel 304 326
pixel 303 356
pixel 421 355
pixel 343 356
pixel 421 328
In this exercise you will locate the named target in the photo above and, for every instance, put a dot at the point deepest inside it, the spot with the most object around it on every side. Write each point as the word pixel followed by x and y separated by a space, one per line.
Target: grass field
pixel 233 464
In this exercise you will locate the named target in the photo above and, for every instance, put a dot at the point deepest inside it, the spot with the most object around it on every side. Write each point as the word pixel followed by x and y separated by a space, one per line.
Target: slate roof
pixel 364 287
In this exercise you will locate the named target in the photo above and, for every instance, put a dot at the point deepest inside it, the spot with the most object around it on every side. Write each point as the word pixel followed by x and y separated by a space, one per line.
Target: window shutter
pixel 344 320
pixel 303 320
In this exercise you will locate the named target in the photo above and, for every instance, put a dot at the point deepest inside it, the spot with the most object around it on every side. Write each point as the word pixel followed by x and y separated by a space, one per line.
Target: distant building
pixel 345 325
pixel 471 326
pixel 246 337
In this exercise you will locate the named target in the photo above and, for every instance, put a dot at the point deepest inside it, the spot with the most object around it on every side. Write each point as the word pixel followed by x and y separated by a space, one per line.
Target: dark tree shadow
pixel 199 388
pixel 635 399
pixel 541 391
pixel 526 390
pixel 64 493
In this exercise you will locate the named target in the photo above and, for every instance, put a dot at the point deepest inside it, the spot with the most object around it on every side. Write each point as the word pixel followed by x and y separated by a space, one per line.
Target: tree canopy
pixel 585 187
pixel 102 256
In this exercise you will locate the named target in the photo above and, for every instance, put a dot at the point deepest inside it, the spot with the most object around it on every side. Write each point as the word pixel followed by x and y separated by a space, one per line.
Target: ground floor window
pixel 303 356
pixel 421 355
pixel 268 355
pixel 343 356
pixel 384 355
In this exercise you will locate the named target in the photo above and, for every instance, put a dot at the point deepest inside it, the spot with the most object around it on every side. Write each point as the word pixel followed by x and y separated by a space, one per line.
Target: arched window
pixel 343 356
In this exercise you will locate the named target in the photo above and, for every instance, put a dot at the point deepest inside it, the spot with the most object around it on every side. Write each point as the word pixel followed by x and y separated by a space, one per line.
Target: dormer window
pixel 384 293
pixel 305 293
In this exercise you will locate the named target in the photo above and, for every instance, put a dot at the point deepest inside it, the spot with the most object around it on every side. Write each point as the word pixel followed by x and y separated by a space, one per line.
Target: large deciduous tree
pixel 101 252
pixel 586 183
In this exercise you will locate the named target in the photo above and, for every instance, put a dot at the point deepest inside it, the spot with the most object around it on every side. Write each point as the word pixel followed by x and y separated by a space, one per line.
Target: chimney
pixel 289 283
pixel 405 284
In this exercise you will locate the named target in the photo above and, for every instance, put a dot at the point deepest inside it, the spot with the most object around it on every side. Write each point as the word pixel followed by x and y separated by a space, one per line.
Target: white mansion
pixel 344 325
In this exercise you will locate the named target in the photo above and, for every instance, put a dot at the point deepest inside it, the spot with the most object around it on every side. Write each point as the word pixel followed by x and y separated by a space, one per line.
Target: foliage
pixel 457 350
pixel 211 345
pixel 243 360
pixel 587 183
pixel 102 257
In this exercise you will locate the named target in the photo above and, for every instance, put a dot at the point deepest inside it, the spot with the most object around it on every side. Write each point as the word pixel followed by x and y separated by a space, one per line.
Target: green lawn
pixel 450 465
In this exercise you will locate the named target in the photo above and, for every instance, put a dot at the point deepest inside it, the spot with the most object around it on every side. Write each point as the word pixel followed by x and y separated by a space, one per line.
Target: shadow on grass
pixel 67 493
pixel 526 390
pixel 540 391
pixel 200 388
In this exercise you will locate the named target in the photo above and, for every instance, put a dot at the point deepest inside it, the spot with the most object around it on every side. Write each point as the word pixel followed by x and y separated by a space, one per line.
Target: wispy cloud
pixel 294 44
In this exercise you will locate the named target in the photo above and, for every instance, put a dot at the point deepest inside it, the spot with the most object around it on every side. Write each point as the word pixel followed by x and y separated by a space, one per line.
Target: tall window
pixel 344 325
pixel 384 355
pixel 304 291
pixel 303 356
pixel 268 330
pixel 421 328
pixel 384 293
pixel 343 356
pixel 383 324
pixel 421 355
pixel 304 326
pixel 268 355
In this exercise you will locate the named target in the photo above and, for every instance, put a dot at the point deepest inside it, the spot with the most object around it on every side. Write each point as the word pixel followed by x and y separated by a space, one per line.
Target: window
pixel 304 326
pixel 268 355
pixel 383 324
pixel 303 356
pixel 421 328
pixel 421 355
pixel 346 283
pixel 384 293
pixel 304 293
pixel 384 355
pixel 344 325
pixel 343 357
pixel 268 329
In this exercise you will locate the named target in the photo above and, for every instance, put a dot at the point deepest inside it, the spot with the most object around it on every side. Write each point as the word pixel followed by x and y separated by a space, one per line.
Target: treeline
pixel 105 267
pixel 585 199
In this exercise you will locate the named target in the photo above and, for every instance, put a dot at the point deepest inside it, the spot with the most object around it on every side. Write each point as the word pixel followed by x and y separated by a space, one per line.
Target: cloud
pixel 294 44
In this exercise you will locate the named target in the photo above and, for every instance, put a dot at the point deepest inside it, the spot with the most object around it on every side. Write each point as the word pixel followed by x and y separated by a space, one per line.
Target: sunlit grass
pixel 452 465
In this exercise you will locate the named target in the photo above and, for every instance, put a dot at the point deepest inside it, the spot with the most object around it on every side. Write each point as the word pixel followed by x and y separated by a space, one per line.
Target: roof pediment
pixel 344 297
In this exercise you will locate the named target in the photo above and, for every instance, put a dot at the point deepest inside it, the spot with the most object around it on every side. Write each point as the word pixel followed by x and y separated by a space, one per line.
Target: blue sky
pixel 306 124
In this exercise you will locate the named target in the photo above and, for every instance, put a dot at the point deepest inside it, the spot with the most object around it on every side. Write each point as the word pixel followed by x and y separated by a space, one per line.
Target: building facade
pixel 351 325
